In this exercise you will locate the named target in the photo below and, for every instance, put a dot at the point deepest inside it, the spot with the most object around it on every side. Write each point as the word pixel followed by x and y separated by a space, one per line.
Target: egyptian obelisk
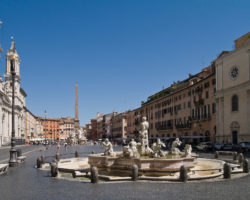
pixel 77 124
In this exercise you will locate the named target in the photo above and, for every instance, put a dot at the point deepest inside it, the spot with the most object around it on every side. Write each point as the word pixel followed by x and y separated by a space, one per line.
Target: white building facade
pixel 233 93
pixel 12 59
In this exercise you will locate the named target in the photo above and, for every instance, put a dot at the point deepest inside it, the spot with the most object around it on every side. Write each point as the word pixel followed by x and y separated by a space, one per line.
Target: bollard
pixel 227 171
pixel 76 154
pixel 245 166
pixel 235 156
pixel 57 156
pixel 43 159
pixel 94 175
pixel 216 155
pixel 19 152
pixel 240 158
pixel 38 163
pixel 54 169
pixel 134 176
pixel 183 174
pixel 74 174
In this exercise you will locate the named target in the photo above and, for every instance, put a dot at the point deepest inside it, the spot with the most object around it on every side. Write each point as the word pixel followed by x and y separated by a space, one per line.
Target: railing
pixel 161 128
pixel 183 126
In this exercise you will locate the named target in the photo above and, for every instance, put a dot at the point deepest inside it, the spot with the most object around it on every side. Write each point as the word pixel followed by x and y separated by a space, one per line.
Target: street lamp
pixel 13 153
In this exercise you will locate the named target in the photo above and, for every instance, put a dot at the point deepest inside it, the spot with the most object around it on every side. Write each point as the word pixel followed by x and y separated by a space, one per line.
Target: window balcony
pixel 163 128
pixel 187 125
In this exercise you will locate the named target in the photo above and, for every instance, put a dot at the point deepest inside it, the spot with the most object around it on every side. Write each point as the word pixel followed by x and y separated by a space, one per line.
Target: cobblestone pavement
pixel 26 182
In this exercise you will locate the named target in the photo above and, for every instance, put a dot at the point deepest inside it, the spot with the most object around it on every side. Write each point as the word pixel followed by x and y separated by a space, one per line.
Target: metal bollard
pixel 94 175
pixel 43 159
pixel 54 169
pixel 183 174
pixel 216 155
pixel 235 156
pixel 227 171
pixel 57 156
pixel 19 152
pixel 38 163
pixel 245 166
pixel 240 158
pixel 74 174
pixel 134 176
pixel 76 154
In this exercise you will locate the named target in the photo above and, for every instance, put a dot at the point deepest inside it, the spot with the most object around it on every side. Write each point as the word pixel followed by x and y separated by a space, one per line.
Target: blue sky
pixel 119 52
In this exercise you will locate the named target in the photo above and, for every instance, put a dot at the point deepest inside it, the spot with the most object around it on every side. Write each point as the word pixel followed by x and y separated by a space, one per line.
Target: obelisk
pixel 77 124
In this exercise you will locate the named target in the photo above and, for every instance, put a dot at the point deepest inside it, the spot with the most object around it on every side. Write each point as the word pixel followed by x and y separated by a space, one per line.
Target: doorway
pixel 235 137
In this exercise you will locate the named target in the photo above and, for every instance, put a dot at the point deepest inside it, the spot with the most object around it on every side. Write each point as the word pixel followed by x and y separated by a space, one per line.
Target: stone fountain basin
pixel 144 164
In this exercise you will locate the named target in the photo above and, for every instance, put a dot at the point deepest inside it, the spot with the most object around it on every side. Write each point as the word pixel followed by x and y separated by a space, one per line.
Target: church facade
pixel 233 93
pixel 6 99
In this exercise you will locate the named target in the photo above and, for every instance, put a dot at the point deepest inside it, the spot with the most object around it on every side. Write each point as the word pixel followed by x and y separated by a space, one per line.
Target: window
pixel 235 103
pixel 214 81
pixel 207 94
pixel 214 108
pixel 206 85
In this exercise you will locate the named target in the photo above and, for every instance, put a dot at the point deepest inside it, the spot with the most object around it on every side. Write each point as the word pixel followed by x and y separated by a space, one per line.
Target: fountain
pixel 139 161
pixel 147 159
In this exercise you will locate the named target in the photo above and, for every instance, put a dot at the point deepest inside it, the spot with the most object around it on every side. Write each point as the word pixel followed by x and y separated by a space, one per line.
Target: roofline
pixel 166 96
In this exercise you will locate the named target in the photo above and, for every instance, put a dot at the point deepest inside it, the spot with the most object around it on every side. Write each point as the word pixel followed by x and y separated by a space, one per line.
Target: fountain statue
pixel 144 148
pixel 156 147
pixel 188 151
pixel 131 151
pixel 108 148
pixel 174 147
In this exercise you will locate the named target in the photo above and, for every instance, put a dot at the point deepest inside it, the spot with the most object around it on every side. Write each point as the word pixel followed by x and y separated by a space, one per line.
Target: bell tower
pixel 12 62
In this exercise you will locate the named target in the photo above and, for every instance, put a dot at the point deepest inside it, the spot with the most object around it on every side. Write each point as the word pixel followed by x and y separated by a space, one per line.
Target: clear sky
pixel 119 52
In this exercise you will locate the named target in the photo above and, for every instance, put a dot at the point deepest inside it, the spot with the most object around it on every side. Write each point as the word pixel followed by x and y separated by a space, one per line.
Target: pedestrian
pixel 66 146
pixel 58 146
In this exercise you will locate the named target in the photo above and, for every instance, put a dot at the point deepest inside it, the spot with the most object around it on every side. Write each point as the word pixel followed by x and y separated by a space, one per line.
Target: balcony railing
pixel 201 118
pixel 199 102
pixel 162 128
pixel 183 126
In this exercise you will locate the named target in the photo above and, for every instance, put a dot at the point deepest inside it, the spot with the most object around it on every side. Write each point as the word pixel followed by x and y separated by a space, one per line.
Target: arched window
pixel 235 103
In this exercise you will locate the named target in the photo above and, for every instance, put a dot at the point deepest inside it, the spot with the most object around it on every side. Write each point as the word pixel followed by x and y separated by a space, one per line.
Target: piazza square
pixel 124 100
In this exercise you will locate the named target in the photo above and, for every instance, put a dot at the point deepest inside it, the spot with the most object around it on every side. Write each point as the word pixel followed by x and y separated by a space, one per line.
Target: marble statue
pixel 131 151
pixel 143 137
pixel 156 147
pixel 108 148
pixel 174 147
pixel 188 150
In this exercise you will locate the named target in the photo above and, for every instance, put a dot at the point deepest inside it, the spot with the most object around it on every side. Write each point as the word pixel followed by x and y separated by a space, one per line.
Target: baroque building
pixel 186 109
pixel 12 60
